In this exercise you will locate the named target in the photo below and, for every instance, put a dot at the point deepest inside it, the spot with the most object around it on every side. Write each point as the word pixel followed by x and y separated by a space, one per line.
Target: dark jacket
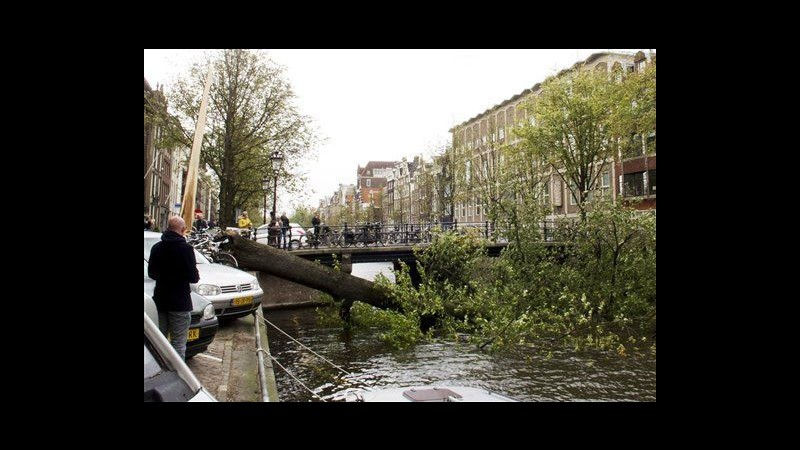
pixel 173 266
pixel 200 225
pixel 315 221
pixel 284 222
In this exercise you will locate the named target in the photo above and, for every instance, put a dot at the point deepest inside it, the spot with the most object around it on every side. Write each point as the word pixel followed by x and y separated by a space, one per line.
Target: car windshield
pixel 150 242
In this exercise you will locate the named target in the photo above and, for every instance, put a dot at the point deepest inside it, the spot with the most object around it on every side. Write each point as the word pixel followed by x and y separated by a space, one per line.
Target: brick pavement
pixel 229 367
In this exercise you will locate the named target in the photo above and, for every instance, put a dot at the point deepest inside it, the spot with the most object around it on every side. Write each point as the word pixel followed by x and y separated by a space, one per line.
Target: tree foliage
pixel 571 131
pixel 302 215
pixel 250 114
pixel 634 112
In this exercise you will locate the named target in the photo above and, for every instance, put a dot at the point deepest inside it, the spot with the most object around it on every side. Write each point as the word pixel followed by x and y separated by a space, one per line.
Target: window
pixel 633 184
pixel 633 148
pixel 467 173
pixel 546 193
pixel 557 192
pixel 369 182
pixel 502 134
pixel 605 183
pixel 629 68
pixel 617 70
pixel 651 180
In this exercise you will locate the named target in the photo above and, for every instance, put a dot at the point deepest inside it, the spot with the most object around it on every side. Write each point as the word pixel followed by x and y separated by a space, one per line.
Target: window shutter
pixel 556 192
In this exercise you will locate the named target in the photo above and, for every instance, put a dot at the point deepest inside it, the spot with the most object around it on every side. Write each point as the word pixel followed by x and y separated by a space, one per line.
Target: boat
pixel 428 394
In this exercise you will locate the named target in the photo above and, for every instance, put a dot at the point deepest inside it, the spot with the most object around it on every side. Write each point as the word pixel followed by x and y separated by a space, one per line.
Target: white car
pixel 233 292
pixel 167 378
pixel 204 324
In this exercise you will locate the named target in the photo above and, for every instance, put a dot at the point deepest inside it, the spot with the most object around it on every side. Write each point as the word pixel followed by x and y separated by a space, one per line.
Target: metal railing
pixel 376 234
pixel 262 366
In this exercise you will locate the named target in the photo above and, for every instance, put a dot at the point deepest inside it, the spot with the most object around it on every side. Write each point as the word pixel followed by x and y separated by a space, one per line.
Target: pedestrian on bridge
pixel 284 229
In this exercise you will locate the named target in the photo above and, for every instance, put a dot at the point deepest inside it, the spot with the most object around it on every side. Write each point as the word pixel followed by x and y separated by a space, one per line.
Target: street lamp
pixel 276 159
pixel 265 187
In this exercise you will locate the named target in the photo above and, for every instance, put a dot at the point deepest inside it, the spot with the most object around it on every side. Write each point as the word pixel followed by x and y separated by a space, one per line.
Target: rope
pixel 312 351
pixel 295 378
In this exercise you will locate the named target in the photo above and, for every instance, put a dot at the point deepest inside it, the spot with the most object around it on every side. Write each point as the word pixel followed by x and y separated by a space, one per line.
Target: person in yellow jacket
pixel 244 223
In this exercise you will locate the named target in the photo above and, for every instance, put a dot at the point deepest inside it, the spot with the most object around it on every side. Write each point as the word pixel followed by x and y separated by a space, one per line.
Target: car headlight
pixel 208 289
pixel 208 312
pixel 254 285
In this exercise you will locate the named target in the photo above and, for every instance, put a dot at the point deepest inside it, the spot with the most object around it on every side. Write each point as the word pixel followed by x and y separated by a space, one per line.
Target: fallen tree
pixel 340 285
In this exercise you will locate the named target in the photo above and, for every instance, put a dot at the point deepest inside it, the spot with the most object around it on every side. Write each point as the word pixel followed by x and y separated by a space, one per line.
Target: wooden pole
pixel 190 192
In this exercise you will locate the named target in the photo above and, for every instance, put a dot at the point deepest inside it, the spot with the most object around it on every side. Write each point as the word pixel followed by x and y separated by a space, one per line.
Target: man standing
pixel 284 229
pixel 315 222
pixel 200 224
pixel 245 224
pixel 173 266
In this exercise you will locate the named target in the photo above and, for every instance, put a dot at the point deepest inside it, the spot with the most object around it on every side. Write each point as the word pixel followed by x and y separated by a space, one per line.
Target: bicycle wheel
pixel 226 259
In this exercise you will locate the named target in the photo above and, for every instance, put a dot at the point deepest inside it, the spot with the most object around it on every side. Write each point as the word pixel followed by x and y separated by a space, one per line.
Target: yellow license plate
pixel 242 301
pixel 194 334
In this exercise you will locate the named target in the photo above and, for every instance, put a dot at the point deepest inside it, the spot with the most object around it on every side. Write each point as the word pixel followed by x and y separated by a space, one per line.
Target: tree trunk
pixel 283 264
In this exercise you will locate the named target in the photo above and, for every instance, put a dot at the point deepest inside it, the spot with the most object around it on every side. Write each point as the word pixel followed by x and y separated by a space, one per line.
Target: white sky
pixel 385 104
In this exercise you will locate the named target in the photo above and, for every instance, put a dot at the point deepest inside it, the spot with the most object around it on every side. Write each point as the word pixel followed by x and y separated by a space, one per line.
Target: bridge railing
pixel 380 234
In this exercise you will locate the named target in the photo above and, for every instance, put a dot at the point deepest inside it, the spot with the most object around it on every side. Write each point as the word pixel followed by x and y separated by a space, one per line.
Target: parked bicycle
pixel 212 248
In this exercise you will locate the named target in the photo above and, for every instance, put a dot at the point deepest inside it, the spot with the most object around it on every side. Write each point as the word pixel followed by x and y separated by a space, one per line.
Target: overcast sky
pixel 385 104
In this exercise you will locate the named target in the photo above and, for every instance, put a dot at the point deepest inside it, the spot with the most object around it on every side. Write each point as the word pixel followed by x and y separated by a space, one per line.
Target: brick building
pixel 478 140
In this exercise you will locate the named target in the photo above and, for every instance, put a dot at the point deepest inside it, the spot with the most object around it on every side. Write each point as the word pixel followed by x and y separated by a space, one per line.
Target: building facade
pixel 165 171
pixel 370 184
pixel 158 162
pixel 478 143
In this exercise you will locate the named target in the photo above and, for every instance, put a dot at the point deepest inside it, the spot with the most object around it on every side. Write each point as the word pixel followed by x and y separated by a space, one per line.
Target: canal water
pixel 565 376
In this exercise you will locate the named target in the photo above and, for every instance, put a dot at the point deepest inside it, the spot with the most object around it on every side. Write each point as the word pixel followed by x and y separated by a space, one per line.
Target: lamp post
pixel 276 159
pixel 265 187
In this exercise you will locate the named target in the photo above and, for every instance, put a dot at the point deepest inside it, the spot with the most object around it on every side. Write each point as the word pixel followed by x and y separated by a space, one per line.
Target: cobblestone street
pixel 229 367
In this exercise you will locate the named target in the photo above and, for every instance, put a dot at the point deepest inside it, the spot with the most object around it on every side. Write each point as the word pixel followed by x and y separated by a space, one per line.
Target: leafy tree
pixel 572 129
pixel 251 114
pixel 302 215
